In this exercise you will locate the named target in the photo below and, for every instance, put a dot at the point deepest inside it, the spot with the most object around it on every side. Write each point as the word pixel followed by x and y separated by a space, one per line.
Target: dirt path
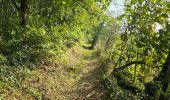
pixel 90 86
pixel 78 77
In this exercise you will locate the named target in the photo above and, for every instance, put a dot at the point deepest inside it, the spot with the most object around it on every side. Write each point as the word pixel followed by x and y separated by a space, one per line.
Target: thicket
pixel 139 59
pixel 35 30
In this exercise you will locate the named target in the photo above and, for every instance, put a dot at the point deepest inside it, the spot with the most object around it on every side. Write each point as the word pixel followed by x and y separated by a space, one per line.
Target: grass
pixel 77 76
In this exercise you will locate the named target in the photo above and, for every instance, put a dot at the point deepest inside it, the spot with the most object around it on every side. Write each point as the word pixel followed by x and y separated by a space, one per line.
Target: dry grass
pixel 76 78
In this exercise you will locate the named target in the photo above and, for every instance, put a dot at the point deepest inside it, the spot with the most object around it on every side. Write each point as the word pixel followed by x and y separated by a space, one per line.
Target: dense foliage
pixel 141 57
pixel 42 29
pixel 133 48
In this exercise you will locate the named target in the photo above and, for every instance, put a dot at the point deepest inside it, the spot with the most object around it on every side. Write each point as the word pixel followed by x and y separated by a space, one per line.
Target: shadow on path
pixel 87 47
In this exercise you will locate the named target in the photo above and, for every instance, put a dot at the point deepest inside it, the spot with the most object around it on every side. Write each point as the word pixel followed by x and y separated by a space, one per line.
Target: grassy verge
pixel 54 81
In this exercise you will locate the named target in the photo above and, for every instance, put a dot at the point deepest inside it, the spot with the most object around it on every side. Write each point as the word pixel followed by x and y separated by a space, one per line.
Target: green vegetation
pixel 75 49
pixel 139 58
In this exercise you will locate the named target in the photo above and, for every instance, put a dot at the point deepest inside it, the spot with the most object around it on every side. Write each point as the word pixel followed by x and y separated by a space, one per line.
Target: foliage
pixel 34 33
pixel 49 27
pixel 134 48
pixel 141 58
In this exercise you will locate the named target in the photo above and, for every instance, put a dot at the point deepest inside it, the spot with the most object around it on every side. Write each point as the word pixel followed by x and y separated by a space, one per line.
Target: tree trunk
pixel 165 75
pixel 23 12
pixel 94 41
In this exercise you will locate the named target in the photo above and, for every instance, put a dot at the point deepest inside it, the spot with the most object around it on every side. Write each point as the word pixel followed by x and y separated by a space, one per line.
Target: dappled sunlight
pixel 84 50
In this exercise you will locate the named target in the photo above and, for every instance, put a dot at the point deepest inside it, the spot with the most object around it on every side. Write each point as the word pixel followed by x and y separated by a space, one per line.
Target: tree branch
pixel 125 84
pixel 129 64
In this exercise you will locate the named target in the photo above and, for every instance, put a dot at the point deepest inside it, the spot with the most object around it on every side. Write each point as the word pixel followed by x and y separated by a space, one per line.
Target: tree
pixel 22 10
pixel 35 30
pixel 146 49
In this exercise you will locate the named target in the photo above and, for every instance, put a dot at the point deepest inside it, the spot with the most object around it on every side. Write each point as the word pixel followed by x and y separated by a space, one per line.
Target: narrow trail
pixel 89 86
pixel 77 78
